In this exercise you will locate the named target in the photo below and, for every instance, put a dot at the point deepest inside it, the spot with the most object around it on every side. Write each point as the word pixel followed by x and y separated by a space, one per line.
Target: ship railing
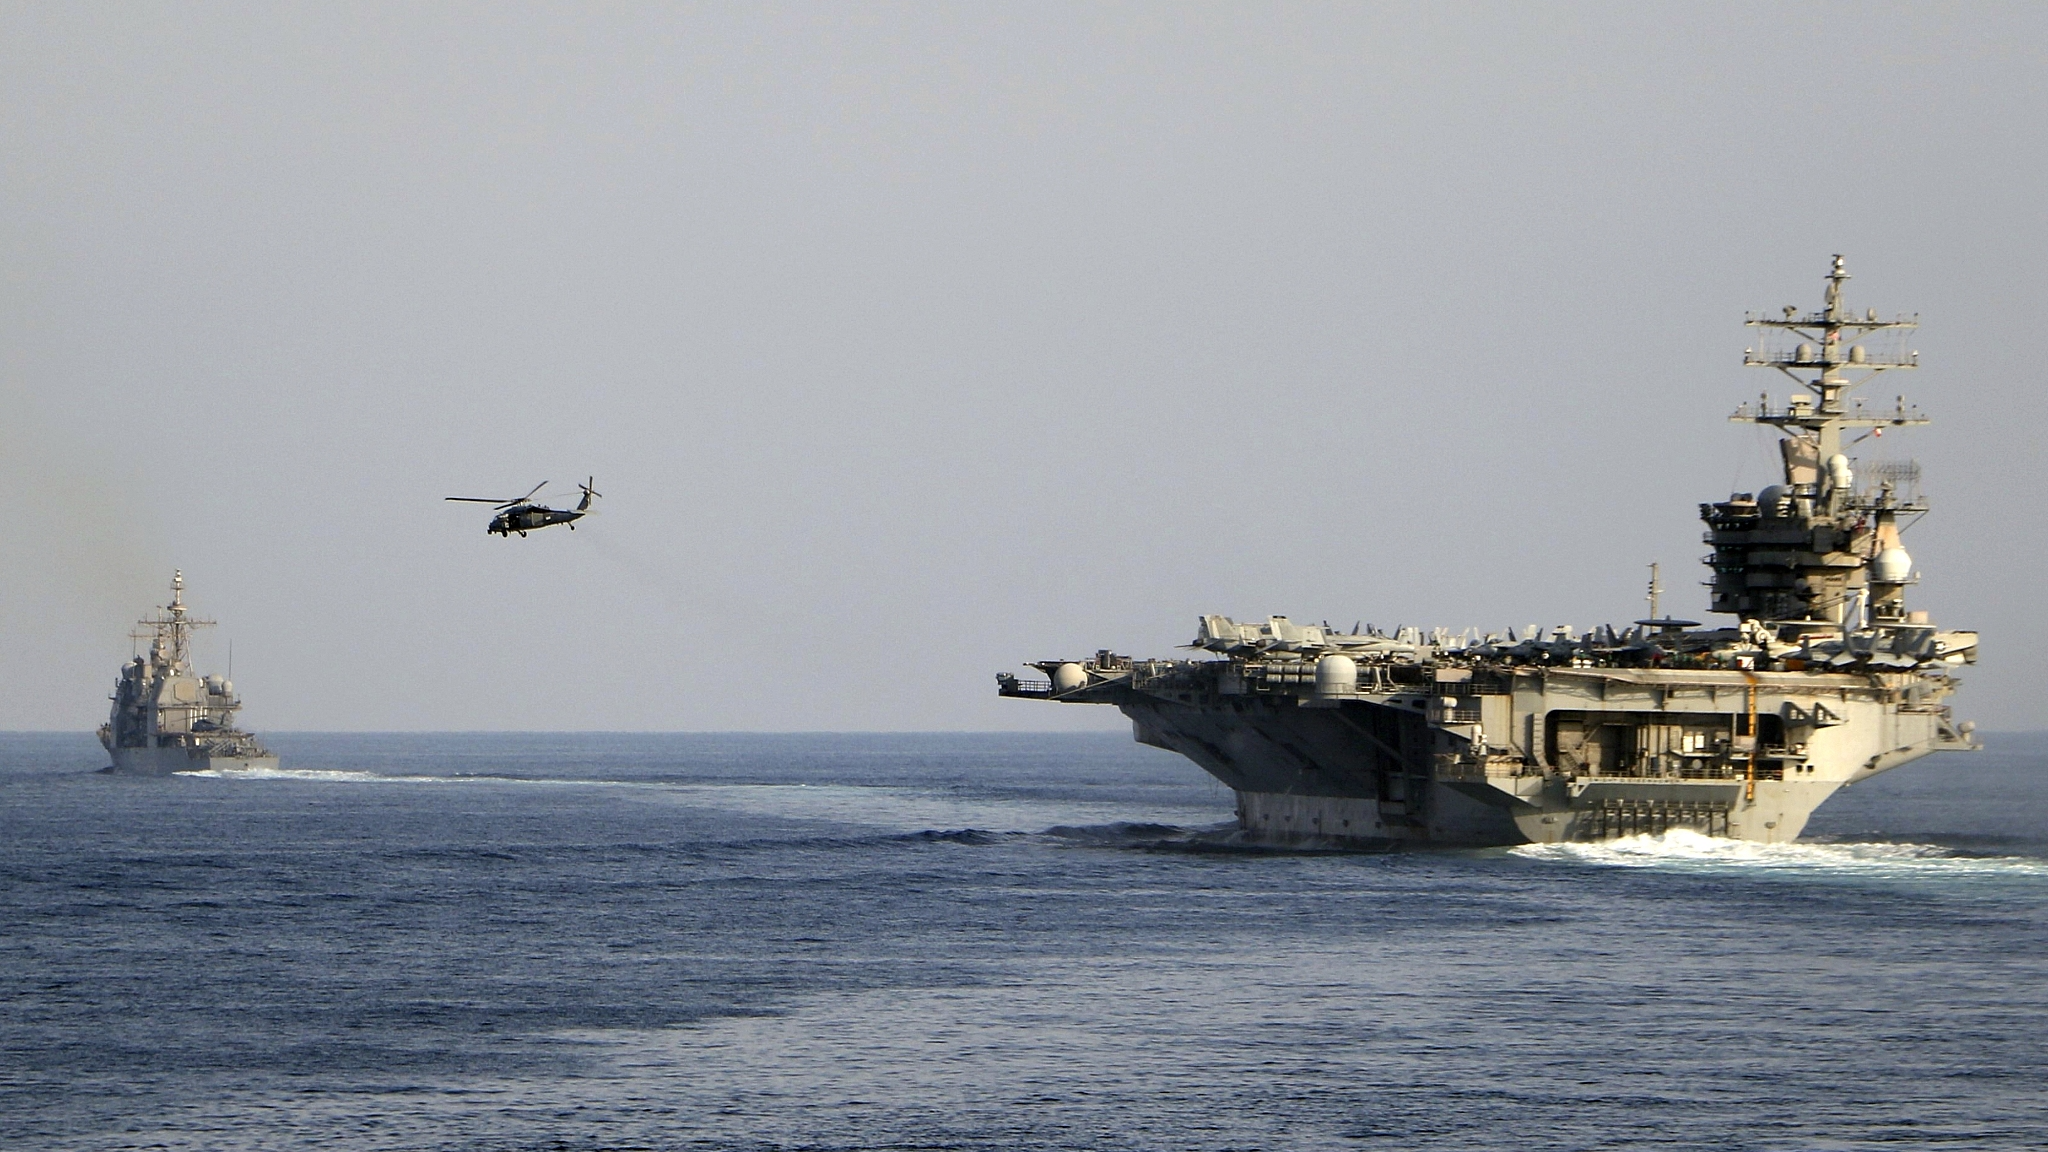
pixel 1475 767
pixel 1460 768
pixel 1008 685
pixel 1483 685
pixel 1159 675
pixel 1766 769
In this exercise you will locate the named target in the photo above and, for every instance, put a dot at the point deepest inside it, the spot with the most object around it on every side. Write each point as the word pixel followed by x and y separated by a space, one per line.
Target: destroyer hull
pixel 165 761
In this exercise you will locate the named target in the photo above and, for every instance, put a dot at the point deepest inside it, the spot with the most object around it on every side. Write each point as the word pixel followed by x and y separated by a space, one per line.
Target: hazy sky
pixel 909 342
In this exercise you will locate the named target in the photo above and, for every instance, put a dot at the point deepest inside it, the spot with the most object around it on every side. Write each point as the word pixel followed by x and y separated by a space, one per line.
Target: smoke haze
pixel 909 342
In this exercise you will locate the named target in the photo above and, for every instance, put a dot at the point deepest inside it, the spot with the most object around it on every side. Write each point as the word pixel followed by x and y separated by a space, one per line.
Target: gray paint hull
pixel 1380 773
pixel 165 761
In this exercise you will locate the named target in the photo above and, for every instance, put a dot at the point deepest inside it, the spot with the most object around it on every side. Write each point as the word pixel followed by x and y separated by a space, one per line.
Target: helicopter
pixel 521 516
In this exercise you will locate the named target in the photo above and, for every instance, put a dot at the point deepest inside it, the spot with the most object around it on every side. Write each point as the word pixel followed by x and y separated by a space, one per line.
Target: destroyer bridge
pixel 1367 738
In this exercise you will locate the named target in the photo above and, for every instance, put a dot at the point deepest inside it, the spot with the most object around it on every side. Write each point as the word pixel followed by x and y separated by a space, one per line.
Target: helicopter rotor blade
pixel 480 500
pixel 530 492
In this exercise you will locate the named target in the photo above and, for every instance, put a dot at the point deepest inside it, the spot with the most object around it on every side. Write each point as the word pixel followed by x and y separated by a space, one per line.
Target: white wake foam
pixel 331 776
pixel 1685 850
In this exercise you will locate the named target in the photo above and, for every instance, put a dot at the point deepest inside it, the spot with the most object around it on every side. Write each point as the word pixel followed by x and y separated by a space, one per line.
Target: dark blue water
pixel 981 942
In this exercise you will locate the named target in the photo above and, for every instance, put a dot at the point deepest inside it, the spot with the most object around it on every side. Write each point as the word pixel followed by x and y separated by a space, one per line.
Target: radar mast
pixel 170 631
pixel 1813 550
pixel 1839 346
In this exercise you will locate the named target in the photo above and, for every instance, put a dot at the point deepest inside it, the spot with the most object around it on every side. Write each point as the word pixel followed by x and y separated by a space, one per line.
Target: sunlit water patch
pixel 913 809
pixel 893 807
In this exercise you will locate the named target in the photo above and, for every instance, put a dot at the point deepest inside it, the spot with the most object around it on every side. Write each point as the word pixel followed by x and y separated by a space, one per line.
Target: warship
pixel 1365 739
pixel 166 718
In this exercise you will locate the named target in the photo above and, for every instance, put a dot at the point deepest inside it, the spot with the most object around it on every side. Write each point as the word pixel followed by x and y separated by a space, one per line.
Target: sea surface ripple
pixel 585 942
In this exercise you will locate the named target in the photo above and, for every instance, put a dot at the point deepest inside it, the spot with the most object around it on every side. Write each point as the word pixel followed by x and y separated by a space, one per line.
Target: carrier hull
pixel 1372 739
pixel 1378 773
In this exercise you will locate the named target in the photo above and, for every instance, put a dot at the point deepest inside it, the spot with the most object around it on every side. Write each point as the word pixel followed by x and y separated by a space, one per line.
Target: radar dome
pixel 1892 566
pixel 1068 677
pixel 1336 676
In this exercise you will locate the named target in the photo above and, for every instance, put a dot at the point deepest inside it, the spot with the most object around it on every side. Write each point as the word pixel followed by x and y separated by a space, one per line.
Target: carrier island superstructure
pixel 1825 678
pixel 166 718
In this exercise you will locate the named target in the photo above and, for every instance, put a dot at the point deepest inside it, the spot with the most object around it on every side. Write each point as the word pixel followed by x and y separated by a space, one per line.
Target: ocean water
pixel 575 942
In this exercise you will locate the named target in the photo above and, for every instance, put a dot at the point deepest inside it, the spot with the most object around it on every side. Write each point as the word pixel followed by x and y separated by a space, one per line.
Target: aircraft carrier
pixel 1363 739
pixel 165 717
